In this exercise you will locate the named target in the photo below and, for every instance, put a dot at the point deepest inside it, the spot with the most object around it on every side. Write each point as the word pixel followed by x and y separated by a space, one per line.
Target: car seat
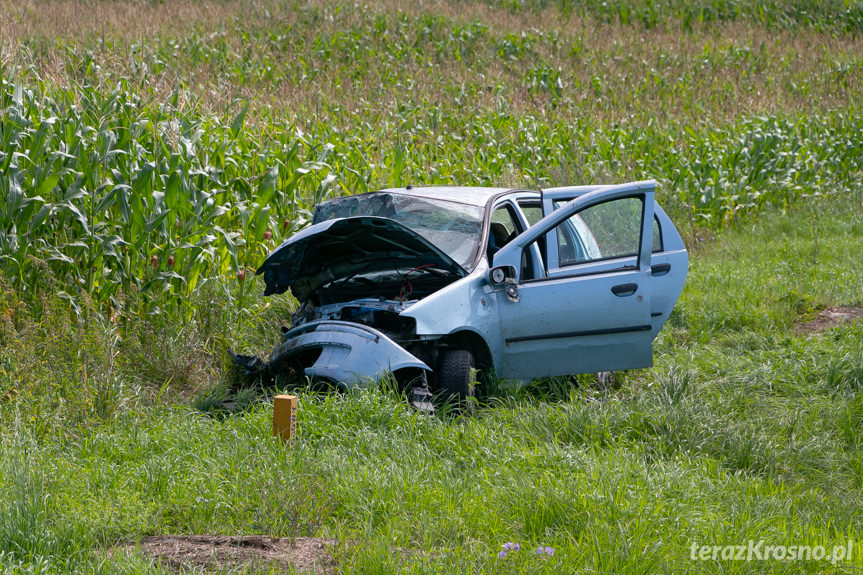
pixel 497 238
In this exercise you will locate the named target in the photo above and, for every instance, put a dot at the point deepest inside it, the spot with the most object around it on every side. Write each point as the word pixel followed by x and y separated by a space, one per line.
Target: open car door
pixel 592 309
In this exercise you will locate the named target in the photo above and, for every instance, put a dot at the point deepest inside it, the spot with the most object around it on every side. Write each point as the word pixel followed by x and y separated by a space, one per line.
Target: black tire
pixel 454 378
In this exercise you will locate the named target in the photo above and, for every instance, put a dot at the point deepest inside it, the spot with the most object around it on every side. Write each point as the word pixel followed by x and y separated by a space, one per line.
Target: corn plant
pixel 108 196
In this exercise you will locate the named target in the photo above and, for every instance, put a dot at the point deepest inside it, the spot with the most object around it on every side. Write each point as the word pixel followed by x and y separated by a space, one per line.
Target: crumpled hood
pixel 340 248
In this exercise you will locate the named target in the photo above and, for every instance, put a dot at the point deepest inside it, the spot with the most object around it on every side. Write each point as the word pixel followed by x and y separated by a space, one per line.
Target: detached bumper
pixel 350 353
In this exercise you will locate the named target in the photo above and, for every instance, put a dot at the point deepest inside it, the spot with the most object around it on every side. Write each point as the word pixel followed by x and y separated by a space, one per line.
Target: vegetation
pixel 153 153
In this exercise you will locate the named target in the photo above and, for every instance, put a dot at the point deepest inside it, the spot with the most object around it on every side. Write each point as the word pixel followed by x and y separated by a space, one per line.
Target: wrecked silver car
pixel 431 283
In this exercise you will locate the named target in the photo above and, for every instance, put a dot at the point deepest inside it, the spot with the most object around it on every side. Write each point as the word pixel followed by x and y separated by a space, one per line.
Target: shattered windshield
pixel 453 227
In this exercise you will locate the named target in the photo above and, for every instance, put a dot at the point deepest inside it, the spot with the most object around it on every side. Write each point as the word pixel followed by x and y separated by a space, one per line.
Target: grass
pixel 153 153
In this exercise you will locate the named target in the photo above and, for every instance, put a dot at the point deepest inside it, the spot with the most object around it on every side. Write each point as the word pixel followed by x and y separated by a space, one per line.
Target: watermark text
pixel 760 551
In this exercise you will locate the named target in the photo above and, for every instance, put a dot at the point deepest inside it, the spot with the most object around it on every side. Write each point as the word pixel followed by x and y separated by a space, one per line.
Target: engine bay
pixel 379 313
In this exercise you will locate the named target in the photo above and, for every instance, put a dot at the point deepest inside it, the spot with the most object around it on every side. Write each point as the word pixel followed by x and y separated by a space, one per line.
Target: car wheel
pixel 455 380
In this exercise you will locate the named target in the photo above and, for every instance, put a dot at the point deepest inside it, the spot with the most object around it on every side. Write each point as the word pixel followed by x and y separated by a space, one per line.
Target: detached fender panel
pixel 350 353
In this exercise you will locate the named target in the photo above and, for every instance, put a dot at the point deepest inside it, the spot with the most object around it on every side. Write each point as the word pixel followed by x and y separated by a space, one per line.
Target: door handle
pixel 624 290
pixel 660 269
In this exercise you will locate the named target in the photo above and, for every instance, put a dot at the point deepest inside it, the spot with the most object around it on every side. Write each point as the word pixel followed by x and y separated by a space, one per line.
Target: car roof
pixel 474 196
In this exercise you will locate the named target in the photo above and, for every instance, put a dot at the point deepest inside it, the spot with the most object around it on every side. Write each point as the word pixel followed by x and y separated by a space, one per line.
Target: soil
pixel 222 553
pixel 830 317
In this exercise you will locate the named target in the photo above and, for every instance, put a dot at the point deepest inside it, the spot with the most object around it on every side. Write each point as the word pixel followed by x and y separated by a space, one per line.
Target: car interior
pixel 504 228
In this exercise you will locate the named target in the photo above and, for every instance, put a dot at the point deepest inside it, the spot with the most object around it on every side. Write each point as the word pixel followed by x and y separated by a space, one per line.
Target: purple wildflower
pixel 501 555
pixel 549 551
pixel 516 546
pixel 540 550
pixel 507 546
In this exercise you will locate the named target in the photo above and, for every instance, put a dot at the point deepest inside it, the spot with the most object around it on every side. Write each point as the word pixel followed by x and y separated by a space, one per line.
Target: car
pixel 433 284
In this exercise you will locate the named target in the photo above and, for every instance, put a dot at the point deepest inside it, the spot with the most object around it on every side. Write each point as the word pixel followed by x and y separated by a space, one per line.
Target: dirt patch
pixel 830 317
pixel 222 553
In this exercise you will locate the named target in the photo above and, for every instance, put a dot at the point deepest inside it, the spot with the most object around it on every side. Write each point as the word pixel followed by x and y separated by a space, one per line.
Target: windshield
pixel 454 228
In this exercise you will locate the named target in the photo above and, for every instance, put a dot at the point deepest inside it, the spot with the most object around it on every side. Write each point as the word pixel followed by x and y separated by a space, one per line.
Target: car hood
pixel 341 248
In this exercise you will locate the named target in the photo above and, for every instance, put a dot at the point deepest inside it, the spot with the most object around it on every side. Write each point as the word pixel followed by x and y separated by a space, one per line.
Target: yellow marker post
pixel 285 417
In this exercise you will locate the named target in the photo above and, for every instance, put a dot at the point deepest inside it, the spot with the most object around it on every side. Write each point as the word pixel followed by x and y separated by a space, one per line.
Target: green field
pixel 152 154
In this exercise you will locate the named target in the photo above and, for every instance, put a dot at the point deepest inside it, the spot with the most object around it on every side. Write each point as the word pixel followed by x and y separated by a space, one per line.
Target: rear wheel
pixel 455 378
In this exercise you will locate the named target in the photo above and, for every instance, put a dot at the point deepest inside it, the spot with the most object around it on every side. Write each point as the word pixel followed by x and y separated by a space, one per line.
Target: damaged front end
pixel 343 353
pixel 353 276
pixel 365 346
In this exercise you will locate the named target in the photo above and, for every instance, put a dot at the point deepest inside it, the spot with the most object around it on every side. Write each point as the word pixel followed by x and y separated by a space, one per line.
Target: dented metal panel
pixel 350 353
pixel 340 249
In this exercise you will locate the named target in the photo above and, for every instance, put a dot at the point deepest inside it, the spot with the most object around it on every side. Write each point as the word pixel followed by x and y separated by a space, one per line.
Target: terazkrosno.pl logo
pixel 761 551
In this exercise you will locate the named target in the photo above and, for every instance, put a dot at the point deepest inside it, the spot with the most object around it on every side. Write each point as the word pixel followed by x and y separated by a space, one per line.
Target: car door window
pixel 532 211
pixel 604 231
pixel 502 229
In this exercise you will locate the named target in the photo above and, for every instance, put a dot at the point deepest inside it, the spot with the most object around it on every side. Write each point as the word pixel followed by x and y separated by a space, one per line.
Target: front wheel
pixel 456 378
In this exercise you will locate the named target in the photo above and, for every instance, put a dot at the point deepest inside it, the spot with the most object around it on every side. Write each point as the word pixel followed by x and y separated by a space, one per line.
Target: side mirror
pixel 504 276
pixel 501 275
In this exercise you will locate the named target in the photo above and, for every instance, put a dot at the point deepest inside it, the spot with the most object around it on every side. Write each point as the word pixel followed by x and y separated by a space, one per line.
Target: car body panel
pixel 470 306
pixel 350 353
pixel 574 336
pixel 340 248
pixel 669 267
